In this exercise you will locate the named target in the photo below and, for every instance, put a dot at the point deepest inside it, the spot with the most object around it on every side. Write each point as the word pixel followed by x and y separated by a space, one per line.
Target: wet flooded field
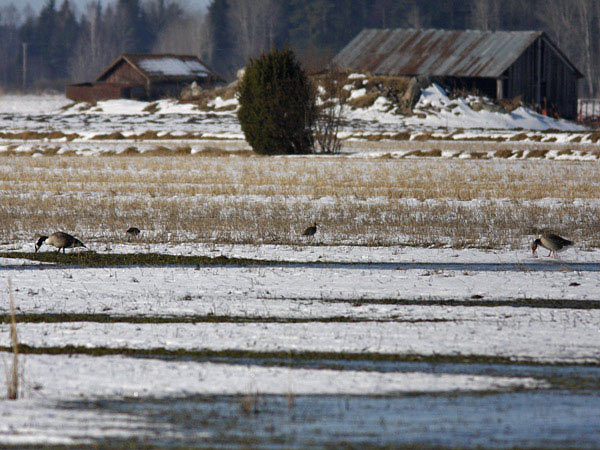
pixel 566 415
pixel 304 354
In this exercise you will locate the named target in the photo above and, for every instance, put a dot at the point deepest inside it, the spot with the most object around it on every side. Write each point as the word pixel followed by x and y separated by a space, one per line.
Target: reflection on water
pixel 566 415
pixel 538 418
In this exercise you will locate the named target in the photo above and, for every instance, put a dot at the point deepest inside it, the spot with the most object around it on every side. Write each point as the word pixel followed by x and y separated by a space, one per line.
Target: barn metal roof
pixel 164 67
pixel 466 53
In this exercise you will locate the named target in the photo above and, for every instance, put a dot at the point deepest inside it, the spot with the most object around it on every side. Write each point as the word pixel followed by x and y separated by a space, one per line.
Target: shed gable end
pixel 124 73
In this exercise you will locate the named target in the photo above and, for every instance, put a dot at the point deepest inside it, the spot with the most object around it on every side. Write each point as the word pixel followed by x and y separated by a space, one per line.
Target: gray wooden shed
pixel 499 64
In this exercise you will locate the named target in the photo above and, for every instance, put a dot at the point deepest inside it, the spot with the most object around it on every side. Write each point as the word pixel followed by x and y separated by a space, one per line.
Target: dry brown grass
pixel 424 153
pixel 399 84
pixel 166 151
pixel 537 153
pixel 37 135
pixel 519 137
pixel 397 143
pixel 151 108
pixel 375 86
pixel 226 93
pixel 116 135
pixel 510 104
pixel 249 404
pixel 364 101
pixel 224 198
pixel 217 152
pixel 503 153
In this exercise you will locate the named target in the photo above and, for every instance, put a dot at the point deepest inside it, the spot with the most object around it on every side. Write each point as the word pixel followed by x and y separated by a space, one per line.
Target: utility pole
pixel 24 65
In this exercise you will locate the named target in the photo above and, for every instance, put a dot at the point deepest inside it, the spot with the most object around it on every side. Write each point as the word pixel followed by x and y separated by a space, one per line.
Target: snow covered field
pixel 50 124
pixel 331 311
pixel 417 314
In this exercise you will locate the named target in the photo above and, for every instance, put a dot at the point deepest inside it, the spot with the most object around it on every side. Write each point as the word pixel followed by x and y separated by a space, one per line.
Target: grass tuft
pixel 249 403
pixel 12 376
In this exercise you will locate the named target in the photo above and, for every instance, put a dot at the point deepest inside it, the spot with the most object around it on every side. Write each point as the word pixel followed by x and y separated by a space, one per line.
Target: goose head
pixel 534 245
pixel 39 243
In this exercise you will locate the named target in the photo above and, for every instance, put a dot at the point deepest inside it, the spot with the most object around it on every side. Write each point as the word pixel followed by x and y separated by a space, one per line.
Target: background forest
pixel 65 45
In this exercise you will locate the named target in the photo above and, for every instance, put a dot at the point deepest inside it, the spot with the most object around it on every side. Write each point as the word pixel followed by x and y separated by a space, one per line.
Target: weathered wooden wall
pixel 543 79
pixel 93 92
pixel 540 76
pixel 124 73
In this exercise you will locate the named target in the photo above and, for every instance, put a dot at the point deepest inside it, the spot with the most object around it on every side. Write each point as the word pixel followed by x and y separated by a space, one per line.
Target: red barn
pixel 146 77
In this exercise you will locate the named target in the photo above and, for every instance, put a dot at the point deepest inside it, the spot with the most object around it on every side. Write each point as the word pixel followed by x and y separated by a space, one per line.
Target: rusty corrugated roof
pixel 164 67
pixel 466 53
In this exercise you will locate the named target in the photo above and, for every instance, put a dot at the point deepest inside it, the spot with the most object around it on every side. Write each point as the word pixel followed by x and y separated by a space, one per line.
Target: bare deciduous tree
pixel 331 113
pixel 485 14
pixel 190 36
pixel 255 26
pixel 96 47
pixel 413 17
pixel 574 25
pixel 9 43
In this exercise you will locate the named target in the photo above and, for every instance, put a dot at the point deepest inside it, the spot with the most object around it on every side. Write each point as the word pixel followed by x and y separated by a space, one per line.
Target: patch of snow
pixel 70 377
pixel 442 112
pixel 32 104
pixel 434 111
pixel 169 106
pixel 218 102
pixel 119 106
pixel 357 93
pixel 169 66
pixel 541 335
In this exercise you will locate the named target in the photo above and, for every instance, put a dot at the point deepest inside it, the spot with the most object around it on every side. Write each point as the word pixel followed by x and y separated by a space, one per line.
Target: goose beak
pixel 37 247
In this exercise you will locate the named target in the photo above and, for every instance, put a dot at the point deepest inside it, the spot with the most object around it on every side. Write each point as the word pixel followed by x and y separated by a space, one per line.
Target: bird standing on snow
pixel 59 240
pixel 552 242
pixel 310 231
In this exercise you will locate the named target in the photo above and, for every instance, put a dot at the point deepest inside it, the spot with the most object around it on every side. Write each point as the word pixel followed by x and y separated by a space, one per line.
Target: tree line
pixel 65 46
pixel 61 46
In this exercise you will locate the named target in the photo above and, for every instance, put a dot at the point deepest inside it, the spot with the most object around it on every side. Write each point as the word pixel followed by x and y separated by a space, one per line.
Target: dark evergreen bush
pixel 277 105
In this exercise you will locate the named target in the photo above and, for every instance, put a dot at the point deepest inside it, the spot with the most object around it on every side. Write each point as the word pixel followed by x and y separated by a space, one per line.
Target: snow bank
pixel 442 112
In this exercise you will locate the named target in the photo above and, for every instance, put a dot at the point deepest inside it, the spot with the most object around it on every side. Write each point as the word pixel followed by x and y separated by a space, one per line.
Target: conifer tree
pixel 277 105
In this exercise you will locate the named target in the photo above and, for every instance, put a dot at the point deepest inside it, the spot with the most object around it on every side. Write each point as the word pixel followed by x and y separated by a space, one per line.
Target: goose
pixel 310 231
pixel 133 231
pixel 59 240
pixel 552 242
